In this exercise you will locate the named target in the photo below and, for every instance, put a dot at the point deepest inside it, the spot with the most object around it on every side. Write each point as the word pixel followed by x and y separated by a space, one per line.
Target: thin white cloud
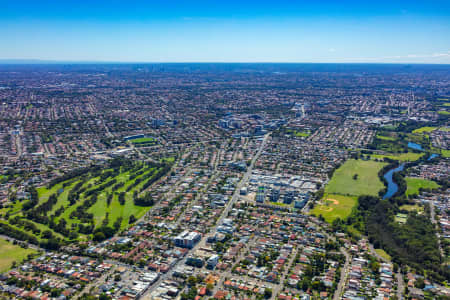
pixel 437 57
pixel 433 55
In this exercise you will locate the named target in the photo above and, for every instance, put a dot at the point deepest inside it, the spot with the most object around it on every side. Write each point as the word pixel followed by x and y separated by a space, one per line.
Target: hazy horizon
pixel 18 61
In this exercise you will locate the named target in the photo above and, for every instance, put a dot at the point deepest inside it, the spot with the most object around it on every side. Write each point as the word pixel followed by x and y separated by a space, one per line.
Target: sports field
pixel 298 133
pixel 366 183
pixel 144 140
pixel 10 253
pixel 354 178
pixel 334 206
pixel 414 184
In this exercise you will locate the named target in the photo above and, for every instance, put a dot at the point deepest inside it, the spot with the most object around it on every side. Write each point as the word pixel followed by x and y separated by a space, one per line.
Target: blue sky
pixel 226 31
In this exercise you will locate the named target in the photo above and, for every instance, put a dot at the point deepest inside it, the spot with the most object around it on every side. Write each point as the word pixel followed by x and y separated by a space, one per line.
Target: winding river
pixel 392 187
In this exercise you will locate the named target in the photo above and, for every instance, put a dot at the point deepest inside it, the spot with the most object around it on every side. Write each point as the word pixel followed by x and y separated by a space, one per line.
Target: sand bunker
pixel 335 202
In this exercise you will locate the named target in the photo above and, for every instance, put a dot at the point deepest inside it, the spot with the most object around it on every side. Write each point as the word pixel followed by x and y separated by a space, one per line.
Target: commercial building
pixel 187 239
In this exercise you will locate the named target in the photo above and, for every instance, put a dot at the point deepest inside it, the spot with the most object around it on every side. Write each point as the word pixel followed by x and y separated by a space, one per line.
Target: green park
pixel 414 185
pixel 80 203
pixel 408 156
pixel 354 178
pixel 10 254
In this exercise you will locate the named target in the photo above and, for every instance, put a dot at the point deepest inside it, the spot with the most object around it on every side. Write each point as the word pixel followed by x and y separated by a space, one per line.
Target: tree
pixel 395 267
pixel 146 200
pixel 103 296
pixel 374 266
pixel 122 198
pixel 192 281
pixel 337 224
pixel 99 236
pixel 51 244
pixel 142 263
pixel 420 284
pixel 132 219
pixel 47 234
pixel 209 287
pixel 218 247
pixel 303 285
pixel 268 293
pixel 106 230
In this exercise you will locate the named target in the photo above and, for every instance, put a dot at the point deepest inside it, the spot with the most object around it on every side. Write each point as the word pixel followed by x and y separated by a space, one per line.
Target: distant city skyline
pixel 231 31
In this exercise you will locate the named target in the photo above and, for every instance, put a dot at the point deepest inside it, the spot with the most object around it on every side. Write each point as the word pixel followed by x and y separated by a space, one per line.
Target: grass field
pixel 341 193
pixel 386 138
pixel 424 129
pixel 279 204
pixel 335 206
pixel 10 253
pixel 383 254
pixel 302 134
pixel 443 112
pixel 367 182
pixel 168 159
pixel 390 127
pixel 445 153
pixel 410 156
pixel 144 140
pixel 414 207
pixel 298 133
pixel 414 184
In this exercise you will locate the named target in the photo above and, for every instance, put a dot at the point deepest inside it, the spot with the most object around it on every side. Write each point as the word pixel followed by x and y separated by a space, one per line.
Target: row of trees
pixel 40 212
pixel 17 234
pixel 73 174
pixel 145 200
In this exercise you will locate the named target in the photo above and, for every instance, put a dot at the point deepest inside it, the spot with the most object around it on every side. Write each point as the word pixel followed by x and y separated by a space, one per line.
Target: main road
pixel 343 278
pixel 223 215
pixel 243 181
